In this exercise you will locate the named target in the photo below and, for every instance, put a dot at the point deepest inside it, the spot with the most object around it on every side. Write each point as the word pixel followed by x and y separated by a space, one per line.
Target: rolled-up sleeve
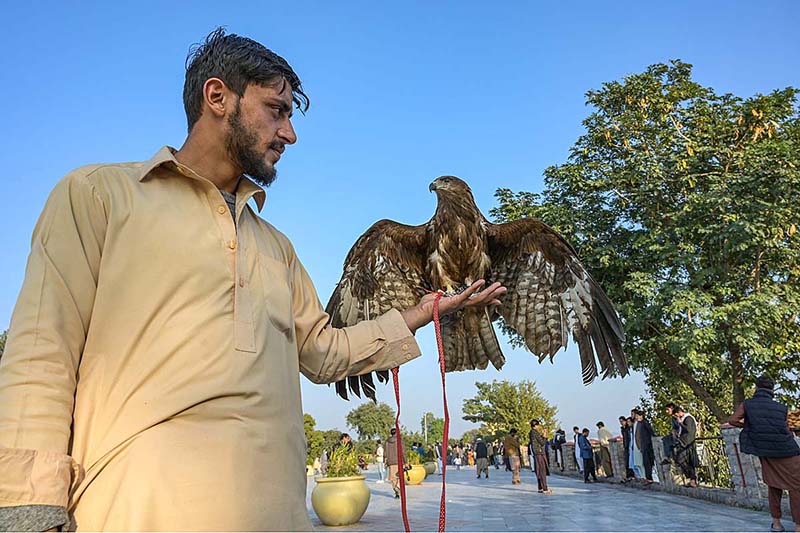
pixel 330 354
pixel 45 342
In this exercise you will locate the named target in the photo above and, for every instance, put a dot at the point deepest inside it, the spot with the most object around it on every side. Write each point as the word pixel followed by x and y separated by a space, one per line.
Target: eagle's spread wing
pixel 550 294
pixel 384 270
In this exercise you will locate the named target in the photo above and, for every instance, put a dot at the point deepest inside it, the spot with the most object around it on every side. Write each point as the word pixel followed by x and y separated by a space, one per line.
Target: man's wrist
pixel 415 317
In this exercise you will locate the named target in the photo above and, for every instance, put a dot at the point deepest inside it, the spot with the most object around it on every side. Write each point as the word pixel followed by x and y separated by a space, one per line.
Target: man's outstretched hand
pixel 422 313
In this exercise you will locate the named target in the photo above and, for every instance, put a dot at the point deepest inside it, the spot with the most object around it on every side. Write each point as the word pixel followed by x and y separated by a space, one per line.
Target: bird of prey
pixel 550 293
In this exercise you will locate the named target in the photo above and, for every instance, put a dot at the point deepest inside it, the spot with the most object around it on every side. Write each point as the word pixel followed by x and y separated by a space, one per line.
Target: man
pixel 643 434
pixel 511 447
pixel 150 379
pixel 605 436
pixel 538 442
pixel 685 446
pixel 766 434
pixel 345 440
pixel 625 432
pixel 668 441
pixel 559 439
pixel 498 454
pixel 587 454
pixel 438 450
pixel 481 457
pixel 577 449
pixel 379 459
pixel 391 462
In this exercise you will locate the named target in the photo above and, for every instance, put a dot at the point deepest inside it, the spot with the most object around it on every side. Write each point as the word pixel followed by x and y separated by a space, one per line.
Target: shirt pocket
pixel 277 294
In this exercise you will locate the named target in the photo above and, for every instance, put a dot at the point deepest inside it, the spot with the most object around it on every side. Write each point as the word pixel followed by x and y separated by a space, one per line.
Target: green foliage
pixel 502 405
pixel 314 439
pixel 366 447
pixel 3 337
pixel 371 420
pixel 330 438
pixel 342 462
pixel 684 205
pixel 435 427
pixel 413 458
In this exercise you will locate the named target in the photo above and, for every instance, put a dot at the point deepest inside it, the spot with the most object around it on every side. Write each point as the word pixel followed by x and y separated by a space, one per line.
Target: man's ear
pixel 217 96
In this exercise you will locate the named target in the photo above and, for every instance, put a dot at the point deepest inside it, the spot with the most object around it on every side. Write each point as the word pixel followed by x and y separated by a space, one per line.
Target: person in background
pixel 437 448
pixel 625 432
pixel 668 442
pixel 538 444
pixel 587 455
pixel 380 459
pixel 481 457
pixel 577 450
pixel 498 454
pixel 766 435
pixel 643 437
pixel 559 439
pixel 512 450
pixel 391 461
pixel 686 447
pixel 605 436
pixel 323 462
pixel 457 456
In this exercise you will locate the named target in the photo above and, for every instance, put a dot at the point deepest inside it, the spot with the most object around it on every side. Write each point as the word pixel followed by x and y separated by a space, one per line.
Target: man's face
pixel 669 411
pixel 259 128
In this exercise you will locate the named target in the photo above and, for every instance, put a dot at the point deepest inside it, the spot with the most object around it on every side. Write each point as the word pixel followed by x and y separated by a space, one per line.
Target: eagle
pixel 550 293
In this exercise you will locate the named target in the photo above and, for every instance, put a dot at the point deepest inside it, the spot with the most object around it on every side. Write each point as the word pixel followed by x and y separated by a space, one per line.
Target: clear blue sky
pixel 493 93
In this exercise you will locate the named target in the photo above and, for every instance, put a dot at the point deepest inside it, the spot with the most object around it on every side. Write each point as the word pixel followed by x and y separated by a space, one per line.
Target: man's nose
pixel 287 133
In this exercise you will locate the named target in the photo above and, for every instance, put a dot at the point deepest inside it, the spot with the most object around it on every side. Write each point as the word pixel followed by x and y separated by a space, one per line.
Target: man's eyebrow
pixel 285 107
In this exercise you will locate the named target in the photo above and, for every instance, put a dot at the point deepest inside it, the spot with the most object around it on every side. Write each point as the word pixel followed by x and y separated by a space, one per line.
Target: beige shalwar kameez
pixel 151 376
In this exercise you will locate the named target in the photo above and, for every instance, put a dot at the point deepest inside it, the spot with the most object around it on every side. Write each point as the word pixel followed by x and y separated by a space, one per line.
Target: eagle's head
pixel 450 186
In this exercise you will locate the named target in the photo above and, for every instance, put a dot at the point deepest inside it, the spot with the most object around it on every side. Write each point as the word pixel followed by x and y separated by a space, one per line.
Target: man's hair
pixel 765 382
pixel 379 441
pixel 534 422
pixel 623 417
pixel 513 431
pixel 575 428
pixel 601 425
pixel 670 405
pixel 677 409
pixel 393 431
pixel 344 436
pixel 585 430
pixel 239 62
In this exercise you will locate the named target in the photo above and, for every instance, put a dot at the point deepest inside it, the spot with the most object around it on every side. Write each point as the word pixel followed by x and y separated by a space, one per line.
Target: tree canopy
pixel 371 420
pixel 435 427
pixel 501 405
pixel 684 205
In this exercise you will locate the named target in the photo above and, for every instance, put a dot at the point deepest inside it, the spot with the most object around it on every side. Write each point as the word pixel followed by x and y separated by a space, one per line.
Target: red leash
pixel 401 471
pixel 438 329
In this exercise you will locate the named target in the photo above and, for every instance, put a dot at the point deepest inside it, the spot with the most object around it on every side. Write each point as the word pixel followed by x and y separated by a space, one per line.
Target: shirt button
pixel 232 245
pixel 221 209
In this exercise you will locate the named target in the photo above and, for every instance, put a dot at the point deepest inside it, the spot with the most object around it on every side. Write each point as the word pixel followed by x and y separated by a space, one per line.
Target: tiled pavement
pixel 496 505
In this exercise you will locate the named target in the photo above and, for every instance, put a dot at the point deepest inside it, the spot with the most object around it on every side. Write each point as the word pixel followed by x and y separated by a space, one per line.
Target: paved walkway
pixel 496 505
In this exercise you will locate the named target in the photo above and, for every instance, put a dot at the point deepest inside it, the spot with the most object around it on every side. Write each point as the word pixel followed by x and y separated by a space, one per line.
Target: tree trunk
pixel 685 374
pixel 737 371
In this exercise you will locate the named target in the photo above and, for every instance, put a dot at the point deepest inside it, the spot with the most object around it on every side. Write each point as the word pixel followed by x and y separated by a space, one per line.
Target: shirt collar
pixel 166 157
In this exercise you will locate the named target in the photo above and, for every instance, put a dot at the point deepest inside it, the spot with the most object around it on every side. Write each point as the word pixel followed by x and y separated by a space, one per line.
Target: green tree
pixel 371 420
pixel 501 405
pixel 314 439
pixel 684 205
pixel 435 427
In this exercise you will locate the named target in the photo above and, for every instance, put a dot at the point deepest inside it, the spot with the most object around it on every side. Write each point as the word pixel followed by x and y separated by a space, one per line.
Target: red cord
pixel 438 329
pixel 400 470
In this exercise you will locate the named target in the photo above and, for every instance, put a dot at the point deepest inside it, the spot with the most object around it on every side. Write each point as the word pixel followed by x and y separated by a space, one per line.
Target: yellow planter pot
pixel 430 468
pixel 415 475
pixel 340 501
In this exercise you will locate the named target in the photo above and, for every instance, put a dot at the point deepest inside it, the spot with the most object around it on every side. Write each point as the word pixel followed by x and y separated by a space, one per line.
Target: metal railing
pixel 714 469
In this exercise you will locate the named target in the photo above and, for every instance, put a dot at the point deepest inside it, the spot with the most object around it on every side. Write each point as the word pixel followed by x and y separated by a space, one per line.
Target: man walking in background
pixel 587 455
pixel 538 444
pixel 391 462
pixel 512 451
pixel 379 459
pixel 576 432
pixel 481 457
pixel 685 446
pixel 605 436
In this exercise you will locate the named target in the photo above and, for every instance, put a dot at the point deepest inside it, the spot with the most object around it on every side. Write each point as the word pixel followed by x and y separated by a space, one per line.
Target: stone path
pixel 496 505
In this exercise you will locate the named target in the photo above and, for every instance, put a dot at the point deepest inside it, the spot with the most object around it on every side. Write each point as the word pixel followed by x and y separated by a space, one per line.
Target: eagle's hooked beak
pixel 432 186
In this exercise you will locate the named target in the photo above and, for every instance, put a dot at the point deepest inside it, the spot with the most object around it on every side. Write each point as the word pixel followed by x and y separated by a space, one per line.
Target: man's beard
pixel 241 143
